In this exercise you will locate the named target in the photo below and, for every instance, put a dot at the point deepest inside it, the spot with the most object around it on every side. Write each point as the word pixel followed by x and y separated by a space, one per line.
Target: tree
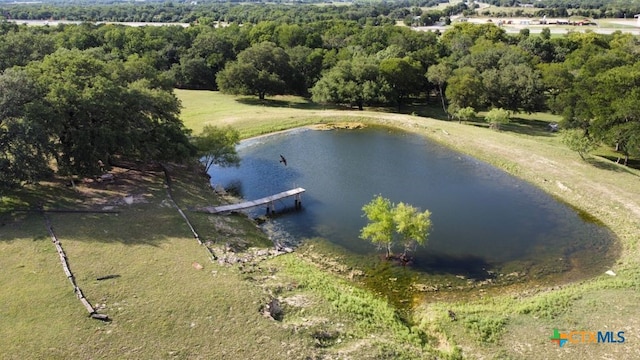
pixel 496 117
pixel 217 47
pixel 466 113
pixel 405 78
pixel 388 222
pixel 578 141
pixel 556 80
pixel 193 73
pixel 92 114
pixel 17 48
pixel 24 145
pixel 412 226
pixel 153 125
pixel 354 82
pixel 306 64
pixel 439 74
pixel 463 35
pixel 217 146
pixel 261 70
pixel 615 109
pixel 465 88
pixel 507 78
pixel 538 46
pixel 514 87
pixel 290 35
pixel 545 33
pixel 380 228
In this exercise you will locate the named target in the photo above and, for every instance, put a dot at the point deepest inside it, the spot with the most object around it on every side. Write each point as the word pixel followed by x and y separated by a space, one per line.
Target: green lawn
pixel 161 306
pixel 250 115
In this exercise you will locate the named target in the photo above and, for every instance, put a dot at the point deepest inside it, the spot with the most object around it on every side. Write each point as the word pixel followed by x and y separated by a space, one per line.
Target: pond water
pixel 482 217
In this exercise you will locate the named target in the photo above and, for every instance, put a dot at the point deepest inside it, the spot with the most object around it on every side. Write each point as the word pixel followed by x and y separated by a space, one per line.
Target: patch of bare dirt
pixel 298 300
pixel 339 125
pixel 119 187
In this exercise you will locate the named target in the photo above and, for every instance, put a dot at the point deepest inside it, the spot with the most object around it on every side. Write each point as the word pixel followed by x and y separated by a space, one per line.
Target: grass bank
pixel 517 324
pixel 165 296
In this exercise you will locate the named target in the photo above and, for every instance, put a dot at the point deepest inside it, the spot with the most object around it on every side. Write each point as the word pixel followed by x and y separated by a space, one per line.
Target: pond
pixel 484 220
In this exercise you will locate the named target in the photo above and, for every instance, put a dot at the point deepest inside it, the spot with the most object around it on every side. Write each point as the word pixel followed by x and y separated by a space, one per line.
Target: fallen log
pixel 69 274
pixel 87 305
pixel 107 277
pixel 101 317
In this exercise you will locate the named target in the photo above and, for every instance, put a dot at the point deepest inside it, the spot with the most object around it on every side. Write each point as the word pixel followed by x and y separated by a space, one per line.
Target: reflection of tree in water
pixel 470 266
pixel 234 188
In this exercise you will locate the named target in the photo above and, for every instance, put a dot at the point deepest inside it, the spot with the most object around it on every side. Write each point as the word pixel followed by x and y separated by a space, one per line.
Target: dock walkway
pixel 269 200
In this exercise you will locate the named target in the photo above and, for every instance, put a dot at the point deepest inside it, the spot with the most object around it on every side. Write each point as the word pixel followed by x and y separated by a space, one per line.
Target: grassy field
pixel 251 116
pixel 164 305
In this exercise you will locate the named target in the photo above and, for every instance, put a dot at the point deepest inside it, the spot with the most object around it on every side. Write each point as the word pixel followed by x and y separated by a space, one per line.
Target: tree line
pixel 247 12
pixel 205 11
pixel 91 92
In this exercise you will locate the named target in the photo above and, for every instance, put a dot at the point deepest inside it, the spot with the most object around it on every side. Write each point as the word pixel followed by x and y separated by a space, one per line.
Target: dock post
pixel 298 202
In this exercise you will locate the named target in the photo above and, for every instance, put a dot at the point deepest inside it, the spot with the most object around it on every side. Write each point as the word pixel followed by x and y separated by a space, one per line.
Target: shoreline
pixel 443 132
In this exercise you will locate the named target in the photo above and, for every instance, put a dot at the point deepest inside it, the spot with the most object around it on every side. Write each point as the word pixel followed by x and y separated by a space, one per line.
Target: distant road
pixel 535 29
pixel 628 26
pixel 625 26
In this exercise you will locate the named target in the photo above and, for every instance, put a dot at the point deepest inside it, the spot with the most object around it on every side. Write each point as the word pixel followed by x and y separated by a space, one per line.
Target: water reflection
pixel 482 217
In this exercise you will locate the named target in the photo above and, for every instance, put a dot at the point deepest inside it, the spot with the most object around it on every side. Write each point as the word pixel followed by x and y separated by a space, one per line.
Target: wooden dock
pixel 268 201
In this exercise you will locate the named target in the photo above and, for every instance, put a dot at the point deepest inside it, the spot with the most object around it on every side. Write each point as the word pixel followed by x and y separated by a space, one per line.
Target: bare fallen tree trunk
pixel 67 271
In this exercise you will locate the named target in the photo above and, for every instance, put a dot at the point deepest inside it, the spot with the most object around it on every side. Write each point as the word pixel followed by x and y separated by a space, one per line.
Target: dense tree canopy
pixel 94 114
pixel 91 92
pixel 404 77
pixel 261 70
pixel 81 110
pixel 24 145
pixel 354 82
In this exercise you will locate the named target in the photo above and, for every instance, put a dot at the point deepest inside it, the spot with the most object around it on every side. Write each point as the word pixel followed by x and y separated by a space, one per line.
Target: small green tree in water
pixel 380 228
pixel 388 222
pixel 411 225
